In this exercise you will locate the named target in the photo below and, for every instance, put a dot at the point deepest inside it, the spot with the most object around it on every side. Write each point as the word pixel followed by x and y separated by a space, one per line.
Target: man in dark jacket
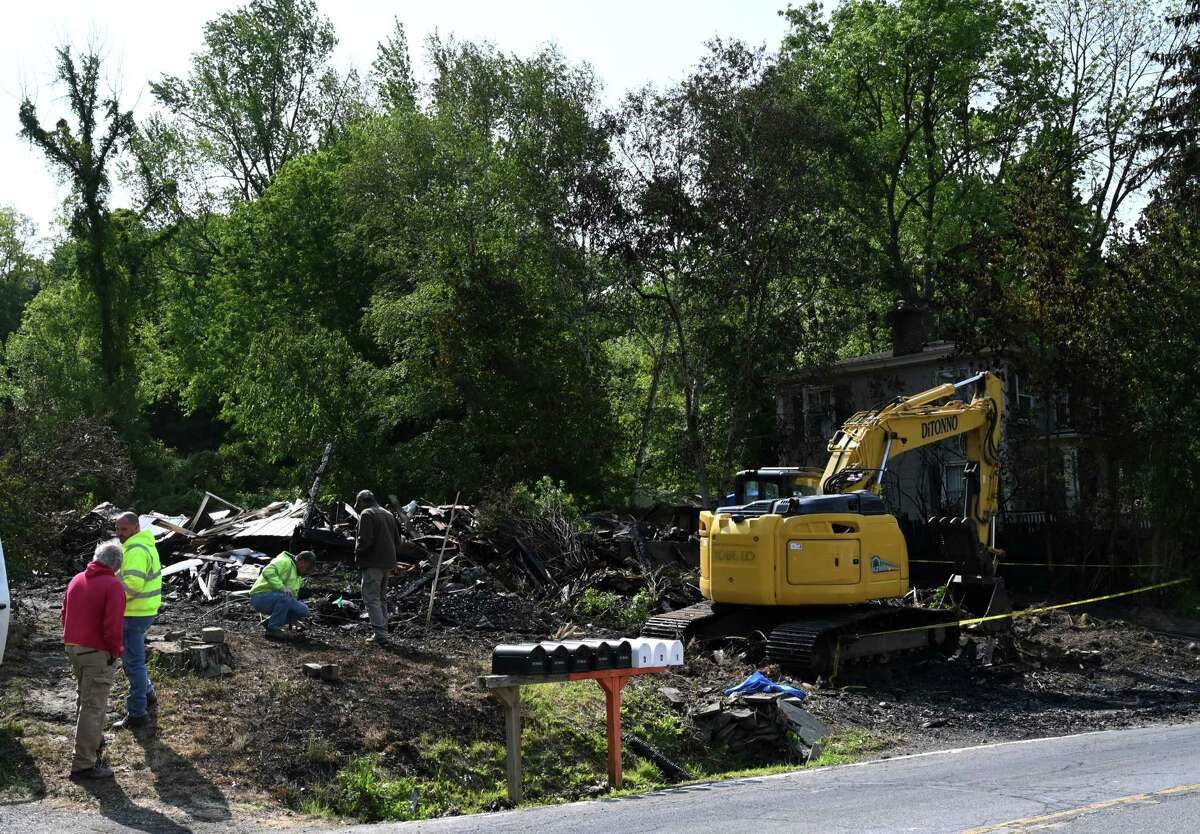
pixel 375 554
pixel 93 618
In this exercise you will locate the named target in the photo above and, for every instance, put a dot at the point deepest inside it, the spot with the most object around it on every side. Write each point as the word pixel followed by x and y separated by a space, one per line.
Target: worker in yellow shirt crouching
pixel 276 591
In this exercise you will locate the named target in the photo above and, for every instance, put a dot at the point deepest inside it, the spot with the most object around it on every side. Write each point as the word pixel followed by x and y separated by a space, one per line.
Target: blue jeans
pixel 134 663
pixel 284 610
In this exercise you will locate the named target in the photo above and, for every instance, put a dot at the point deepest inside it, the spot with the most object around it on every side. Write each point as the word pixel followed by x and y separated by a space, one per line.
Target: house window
pixel 954 486
pixel 1070 468
pixel 951 375
pixel 1062 411
pixel 1022 396
pixel 820 415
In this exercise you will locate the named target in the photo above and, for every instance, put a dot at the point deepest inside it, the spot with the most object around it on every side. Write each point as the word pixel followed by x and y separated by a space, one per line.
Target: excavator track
pixel 812 641
pixel 681 624
pixel 817 645
pixel 714 621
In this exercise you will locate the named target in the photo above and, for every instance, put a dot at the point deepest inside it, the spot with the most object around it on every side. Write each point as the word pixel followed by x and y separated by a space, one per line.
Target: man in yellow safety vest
pixel 141 575
pixel 277 588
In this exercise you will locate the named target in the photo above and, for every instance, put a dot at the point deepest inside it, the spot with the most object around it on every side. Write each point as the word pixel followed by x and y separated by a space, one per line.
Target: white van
pixel 5 605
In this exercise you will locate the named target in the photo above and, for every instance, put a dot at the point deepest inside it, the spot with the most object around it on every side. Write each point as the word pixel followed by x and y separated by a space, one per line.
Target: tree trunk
pixel 648 413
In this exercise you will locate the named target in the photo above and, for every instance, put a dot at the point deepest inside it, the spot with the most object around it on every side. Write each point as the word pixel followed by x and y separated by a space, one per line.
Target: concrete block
pixel 804 724
pixel 672 695
pixel 213 635
pixel 323 671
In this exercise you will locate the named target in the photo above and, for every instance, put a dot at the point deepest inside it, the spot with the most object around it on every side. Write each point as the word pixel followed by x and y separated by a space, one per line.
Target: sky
pixel 628 42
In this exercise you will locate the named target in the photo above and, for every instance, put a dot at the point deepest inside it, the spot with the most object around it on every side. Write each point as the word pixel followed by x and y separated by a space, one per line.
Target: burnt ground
pixel 249 749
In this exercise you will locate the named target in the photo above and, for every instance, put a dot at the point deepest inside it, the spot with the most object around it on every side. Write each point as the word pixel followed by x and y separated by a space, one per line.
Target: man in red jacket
pixel 93 617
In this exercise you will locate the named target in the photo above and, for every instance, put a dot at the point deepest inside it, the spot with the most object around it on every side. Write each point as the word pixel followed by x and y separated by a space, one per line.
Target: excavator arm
pixel 861 450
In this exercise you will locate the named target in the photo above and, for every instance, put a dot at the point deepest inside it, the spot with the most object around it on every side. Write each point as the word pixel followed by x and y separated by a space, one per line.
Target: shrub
pixel 48 465
pixel 542 517
pixel 614 610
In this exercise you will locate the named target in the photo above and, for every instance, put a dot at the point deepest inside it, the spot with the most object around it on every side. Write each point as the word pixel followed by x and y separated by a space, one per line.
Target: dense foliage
pixel 488 277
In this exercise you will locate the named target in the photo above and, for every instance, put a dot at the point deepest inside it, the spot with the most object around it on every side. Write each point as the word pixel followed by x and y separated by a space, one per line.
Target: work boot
pixel 378 640
pixel 97 771
pixel 132 722
pixel 275 634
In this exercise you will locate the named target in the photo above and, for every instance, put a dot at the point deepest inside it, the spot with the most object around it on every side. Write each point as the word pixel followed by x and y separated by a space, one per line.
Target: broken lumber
pixel 438 568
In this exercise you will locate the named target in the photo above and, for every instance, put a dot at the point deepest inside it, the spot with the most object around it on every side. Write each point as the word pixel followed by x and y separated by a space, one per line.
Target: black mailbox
pixel 558 658
pixel 602 654
pixel 611 654
pixel 521 659
pixel 583 656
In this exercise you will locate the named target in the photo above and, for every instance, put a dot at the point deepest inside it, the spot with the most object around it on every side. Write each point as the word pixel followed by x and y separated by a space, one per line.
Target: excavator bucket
pixel 957 543
pixel 975 589
pixel 981 596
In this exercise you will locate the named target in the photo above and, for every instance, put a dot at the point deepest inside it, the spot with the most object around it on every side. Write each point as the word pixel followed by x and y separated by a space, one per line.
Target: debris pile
pixel 491 569
pixel 770 722
pixel 494 570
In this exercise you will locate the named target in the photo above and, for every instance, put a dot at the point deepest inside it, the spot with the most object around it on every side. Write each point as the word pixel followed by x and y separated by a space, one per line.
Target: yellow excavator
pixel 824 577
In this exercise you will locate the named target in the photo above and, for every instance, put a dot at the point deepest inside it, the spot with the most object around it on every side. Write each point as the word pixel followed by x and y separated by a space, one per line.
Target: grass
pixel 564 753
pixel 157 669
pixel 320 752
pixel 367 791
pixel 849 747
pixel 19 777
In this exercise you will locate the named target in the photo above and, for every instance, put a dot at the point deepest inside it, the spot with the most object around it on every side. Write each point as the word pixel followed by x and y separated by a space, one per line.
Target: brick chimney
pixel 910 327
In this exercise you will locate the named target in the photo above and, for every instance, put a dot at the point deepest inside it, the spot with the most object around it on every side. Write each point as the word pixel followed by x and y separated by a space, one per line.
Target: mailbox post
pixel 507 690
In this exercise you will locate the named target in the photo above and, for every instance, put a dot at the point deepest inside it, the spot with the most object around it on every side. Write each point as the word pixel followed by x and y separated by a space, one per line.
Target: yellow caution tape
pixel 1042 564
pixel 1028 611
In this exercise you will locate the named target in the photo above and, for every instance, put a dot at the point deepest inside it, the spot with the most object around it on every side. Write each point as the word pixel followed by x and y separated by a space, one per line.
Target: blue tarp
pixel 758 682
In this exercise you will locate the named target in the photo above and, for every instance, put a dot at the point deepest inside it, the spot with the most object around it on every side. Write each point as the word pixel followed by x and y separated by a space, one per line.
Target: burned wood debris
pixel 772 722
pixel 498 571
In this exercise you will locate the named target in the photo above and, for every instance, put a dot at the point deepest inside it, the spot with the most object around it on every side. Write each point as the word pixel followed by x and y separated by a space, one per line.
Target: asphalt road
pixel 1099 783
pixel 1118 781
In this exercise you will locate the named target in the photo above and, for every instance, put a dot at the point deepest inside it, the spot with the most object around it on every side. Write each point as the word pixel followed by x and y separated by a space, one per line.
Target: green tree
pixel 732 245
pixel 487 309
pixel 938 98
pixel 1107 71
pixel 1173 123
pixel 83 158
pixel 259 92
pixel 21 272
pixel 1154 310
pixel 242 298
pixel 392 71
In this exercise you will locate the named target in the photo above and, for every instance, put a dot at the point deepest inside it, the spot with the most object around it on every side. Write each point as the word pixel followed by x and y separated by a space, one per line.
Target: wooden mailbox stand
pixel 507 690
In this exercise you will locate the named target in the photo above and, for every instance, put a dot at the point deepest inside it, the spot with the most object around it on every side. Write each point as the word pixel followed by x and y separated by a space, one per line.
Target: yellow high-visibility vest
pixel 141 574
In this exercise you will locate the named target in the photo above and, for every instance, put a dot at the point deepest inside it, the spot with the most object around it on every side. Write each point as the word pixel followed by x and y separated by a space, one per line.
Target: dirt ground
pixel 246 749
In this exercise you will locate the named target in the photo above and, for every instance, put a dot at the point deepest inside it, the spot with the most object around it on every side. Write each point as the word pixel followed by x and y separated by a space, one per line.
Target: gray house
pixel 1048 467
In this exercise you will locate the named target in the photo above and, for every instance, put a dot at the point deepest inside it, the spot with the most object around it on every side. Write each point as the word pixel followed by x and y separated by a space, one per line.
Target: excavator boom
pixel 862 448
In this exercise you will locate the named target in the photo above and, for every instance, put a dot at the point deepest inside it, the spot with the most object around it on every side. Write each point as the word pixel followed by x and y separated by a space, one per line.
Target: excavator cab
pixel 773 482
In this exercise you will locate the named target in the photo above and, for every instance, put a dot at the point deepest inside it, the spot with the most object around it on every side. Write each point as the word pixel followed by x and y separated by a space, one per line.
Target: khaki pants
pixel 93 680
